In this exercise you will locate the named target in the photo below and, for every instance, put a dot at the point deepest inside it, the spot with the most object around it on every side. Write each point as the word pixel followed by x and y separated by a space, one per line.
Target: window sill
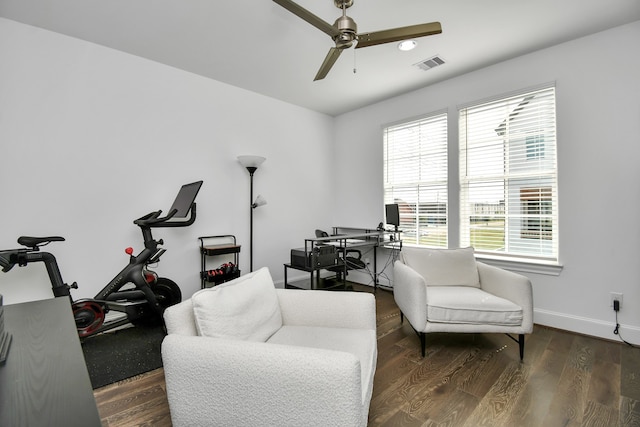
pixel 525 266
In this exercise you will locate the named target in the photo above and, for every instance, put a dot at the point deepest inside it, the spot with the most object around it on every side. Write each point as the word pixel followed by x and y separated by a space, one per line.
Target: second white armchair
pixel 447 290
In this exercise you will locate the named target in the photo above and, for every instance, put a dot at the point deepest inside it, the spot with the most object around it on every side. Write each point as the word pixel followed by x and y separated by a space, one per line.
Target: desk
pixel 344 238
pixel 44 381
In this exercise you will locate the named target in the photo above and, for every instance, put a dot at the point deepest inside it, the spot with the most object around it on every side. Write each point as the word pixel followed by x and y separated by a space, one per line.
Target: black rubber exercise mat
pixel 117 355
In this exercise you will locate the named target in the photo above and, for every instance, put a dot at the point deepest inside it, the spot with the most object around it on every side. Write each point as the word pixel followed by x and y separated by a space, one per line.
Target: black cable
pixel 616 331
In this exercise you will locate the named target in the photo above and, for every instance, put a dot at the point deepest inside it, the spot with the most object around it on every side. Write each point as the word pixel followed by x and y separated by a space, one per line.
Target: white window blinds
pixel 415 177
pixel 509 196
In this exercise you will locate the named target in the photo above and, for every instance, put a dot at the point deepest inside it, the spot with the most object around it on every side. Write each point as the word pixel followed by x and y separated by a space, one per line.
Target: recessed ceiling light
pixel 407 45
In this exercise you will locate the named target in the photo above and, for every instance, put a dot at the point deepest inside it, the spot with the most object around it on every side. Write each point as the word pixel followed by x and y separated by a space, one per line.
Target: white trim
pixel 415 118
pixel 586 326
pixel 521 265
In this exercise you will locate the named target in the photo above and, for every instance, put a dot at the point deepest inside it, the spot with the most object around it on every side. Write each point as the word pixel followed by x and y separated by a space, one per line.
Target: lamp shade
pixel 251 161
pixel 260 201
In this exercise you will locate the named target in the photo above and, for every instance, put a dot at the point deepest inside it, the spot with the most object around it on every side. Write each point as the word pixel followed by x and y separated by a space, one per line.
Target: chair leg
pixel 521 345
pixel 422 335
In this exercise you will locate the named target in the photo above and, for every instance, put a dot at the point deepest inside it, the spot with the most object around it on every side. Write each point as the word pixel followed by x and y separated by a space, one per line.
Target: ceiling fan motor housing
pixel 343 3
pixel 348 30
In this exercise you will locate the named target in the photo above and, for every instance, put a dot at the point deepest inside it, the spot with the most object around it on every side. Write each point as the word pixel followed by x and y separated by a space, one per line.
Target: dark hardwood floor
pixel 465 380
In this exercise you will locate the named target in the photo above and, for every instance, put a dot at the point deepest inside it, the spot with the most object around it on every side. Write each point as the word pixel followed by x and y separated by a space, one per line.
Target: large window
pixel 508 194
pixel 415 177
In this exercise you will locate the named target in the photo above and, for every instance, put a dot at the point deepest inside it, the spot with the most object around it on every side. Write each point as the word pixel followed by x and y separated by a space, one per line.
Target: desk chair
pixel 351 257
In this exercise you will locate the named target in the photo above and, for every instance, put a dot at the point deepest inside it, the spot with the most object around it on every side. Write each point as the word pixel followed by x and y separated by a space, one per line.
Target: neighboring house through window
pixel 509 201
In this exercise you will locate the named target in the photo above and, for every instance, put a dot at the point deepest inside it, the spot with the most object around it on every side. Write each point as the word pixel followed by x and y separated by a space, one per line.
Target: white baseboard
pixel 586 326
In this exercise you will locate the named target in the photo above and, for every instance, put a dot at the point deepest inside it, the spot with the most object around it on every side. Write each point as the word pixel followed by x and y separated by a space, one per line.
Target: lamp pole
pixel 251 163
pixel 251 170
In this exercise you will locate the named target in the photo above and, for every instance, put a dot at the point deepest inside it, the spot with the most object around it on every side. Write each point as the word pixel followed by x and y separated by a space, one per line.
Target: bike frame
pixel 135 272
pixel 135 303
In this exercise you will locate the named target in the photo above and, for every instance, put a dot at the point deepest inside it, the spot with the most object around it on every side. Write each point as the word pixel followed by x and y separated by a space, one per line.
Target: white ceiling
pixel 259 46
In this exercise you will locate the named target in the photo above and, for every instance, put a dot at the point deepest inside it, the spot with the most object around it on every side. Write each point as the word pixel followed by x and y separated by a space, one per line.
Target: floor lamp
pixel 252 163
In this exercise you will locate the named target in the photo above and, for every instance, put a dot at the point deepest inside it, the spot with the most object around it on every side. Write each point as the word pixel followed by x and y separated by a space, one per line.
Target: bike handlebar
pixel 153 219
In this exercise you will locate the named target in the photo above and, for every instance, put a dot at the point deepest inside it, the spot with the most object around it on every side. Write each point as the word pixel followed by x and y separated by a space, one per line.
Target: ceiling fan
pixel 344 32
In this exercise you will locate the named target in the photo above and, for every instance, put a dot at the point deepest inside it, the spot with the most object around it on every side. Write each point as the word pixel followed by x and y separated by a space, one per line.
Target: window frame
pixel 537 146
pixel 424 218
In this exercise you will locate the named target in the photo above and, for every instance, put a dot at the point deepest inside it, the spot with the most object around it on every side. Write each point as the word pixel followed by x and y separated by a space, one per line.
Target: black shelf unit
pixel 223 248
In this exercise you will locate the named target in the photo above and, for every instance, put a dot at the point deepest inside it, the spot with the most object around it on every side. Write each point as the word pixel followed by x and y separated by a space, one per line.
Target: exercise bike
pixel 136 291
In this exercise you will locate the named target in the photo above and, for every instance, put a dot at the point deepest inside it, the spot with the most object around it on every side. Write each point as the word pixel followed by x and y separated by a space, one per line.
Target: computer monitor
pixel 392 213
pixel 185 198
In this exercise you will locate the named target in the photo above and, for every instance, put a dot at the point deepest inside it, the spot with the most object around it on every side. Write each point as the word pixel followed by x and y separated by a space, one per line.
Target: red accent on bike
pixel 129 251
pixel 89 316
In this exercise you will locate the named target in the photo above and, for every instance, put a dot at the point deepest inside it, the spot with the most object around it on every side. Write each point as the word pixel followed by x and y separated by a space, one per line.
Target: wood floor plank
pixel 438 391
pixel 498 403
pixel 385 401
pixel 155 413
pixel 394 366
pixel 561 341
pixel 535 400
pixel 399 419
pixel 629 412
pixel 443 405
pixel 597 415
pixel 142 397
pixel 607 350
pixel 582 353
pixel 570 398
pixel 604 386
pixel 630 372
pixel 480 376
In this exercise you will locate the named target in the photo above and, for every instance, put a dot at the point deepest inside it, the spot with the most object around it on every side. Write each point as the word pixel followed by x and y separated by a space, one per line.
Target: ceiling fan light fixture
pixel 407 45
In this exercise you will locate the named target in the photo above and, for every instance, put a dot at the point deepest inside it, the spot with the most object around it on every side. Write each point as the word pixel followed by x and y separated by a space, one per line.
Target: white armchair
pixel 447 290
pixel 246 354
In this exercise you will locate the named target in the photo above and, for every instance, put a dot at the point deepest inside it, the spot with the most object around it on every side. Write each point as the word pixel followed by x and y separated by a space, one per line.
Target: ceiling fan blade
pixel 312 19
pixel 397 34
pixel 329 60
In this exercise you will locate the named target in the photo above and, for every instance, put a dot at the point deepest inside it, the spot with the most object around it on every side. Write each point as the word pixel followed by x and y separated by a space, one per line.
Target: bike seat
pixel 32 242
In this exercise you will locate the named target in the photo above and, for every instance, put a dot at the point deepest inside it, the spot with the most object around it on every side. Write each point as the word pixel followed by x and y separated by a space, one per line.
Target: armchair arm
pixel 216 382
pixel 509 285
pixel 356 310
pixel 410 293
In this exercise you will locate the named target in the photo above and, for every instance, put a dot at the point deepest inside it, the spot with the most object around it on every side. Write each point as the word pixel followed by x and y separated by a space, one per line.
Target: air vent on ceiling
pixel 430 63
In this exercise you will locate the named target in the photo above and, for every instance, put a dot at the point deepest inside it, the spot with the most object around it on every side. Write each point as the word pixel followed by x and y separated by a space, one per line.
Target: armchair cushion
pixel 444 267
pixel 464 304
pixel 359 342
pixel 245 308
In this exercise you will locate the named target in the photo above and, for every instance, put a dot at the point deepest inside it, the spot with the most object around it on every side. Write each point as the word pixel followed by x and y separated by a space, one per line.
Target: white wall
pixel 92 138
pixel 598 122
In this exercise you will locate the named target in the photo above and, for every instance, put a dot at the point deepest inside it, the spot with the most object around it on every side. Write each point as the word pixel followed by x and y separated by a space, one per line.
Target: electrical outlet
pixel 616 296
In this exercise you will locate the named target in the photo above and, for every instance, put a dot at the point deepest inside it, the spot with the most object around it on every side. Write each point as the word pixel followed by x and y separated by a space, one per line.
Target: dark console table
pixel 44 381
